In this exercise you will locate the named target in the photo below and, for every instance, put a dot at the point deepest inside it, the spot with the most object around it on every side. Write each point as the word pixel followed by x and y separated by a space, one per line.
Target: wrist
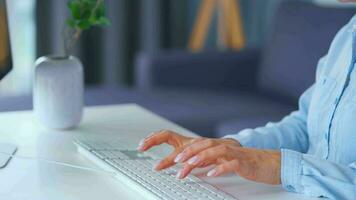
pixel 232 141
pixel 277 160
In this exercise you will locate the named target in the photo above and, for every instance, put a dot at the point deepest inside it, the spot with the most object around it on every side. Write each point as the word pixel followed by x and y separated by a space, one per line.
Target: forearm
pixel 290 133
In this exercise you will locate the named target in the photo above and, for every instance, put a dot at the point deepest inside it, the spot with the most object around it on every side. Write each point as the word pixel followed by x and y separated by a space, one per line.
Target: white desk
pixel 23 179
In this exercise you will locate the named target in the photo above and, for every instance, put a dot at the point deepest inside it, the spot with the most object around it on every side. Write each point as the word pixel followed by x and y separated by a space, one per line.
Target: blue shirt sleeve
pixel 307 174
pixel 301 172
pixel 290 133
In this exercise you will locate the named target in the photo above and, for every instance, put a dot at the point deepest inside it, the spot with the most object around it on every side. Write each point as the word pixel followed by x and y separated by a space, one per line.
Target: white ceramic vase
pixel 58 91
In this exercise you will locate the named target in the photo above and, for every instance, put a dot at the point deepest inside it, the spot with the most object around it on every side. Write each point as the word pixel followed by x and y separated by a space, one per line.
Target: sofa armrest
pixel 211 70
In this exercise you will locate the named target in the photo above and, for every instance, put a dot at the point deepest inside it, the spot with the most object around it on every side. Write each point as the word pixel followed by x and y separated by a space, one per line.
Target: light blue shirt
pixel 318 142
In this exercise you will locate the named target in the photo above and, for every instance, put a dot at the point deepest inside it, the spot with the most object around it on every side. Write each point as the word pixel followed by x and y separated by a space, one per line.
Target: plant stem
pixel 71 36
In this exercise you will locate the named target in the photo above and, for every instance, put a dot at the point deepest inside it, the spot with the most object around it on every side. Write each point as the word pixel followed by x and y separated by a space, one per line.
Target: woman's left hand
pixel 253 164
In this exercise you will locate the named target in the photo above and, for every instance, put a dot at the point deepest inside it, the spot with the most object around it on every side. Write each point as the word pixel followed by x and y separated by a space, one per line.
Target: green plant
pixel 84 15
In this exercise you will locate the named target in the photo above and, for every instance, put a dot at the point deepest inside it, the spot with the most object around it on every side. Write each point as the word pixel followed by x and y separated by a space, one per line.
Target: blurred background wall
pixel 143 57
pixel 107 54
pixel 137 25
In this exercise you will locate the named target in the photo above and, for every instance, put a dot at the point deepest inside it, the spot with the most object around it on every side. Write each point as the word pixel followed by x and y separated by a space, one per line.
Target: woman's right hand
pixel 184 147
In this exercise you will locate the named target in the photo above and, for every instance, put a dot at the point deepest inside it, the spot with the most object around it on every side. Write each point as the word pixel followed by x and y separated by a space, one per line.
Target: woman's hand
pixel 226 154
pixel 262 166
pixel 183 146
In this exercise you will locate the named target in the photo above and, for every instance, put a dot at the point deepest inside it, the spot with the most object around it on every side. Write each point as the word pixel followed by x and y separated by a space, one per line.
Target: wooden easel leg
pixel 233 24
pixel 230 28
pixel 238 36
pixel 202 24
pixel 222 41
pixel 227 21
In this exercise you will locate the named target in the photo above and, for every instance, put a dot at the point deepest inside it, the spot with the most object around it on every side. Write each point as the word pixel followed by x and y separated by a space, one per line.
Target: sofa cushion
pixel 197 110
pixel 302 34
pixel 223 70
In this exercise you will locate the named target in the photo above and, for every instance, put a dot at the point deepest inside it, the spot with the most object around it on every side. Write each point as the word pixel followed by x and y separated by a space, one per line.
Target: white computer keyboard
pixel 135 169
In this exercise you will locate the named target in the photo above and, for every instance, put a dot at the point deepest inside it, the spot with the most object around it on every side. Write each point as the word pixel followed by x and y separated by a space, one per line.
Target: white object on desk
pixel 58 91
pixel 22 179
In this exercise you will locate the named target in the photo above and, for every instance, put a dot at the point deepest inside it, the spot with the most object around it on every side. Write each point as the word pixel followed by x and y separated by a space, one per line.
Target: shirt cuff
pixel 245 138
pixel 291 170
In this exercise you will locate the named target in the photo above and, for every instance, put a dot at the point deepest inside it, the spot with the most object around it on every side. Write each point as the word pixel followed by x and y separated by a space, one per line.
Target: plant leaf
pixel 74 7
pixel 86 13
pixel 71 23
pixel 84 24
pixel 104 21
pixel 100 10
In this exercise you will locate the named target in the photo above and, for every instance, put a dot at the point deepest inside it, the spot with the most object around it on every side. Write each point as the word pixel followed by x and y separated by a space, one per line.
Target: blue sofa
pixel 218 93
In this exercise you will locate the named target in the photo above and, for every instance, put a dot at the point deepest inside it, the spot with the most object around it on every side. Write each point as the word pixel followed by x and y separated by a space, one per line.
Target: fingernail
pixel 178 158
pixel 155 167
pixel 179 174
pixel 211 173
pixel 140 144
pixel 193 161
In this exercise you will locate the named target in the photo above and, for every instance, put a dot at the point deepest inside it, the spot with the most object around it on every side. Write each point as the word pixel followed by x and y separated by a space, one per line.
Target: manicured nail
pixel 179 174
pixel 211 172
pixel 140 144
pixel 178 158
pixel 155 167
pixel 193 161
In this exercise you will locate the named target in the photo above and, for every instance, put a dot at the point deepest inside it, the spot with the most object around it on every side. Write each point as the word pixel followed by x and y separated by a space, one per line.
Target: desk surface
pixel 28 179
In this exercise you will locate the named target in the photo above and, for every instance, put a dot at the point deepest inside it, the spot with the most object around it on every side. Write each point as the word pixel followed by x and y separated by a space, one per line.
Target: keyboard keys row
pixel 162 184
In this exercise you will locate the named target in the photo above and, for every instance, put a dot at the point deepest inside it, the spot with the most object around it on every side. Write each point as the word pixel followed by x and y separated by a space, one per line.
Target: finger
pixel 187 169
pixel 151 134
pixel 167 162
pixel 204 158
pixel 184 172
pixel 158 138
pixel 193 149
pixel 227 167
pixel 142 146
pixel 157 132
pixel 210 154
pixel 205 164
